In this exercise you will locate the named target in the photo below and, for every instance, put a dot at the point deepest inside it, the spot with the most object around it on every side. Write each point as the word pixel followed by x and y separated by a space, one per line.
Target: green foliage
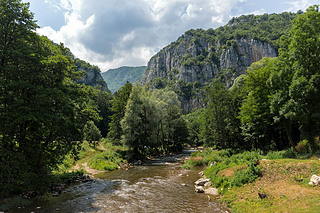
pixel 116 78
pixel 220 126
pixel 118 108
pixel 193 162
pixel 194 122
pixel 152 123
pixel 245 168
pixel 84 68
pixel 42 109
pixel 104 104
pixel 108 160
pixel 91 133
pixel 12 203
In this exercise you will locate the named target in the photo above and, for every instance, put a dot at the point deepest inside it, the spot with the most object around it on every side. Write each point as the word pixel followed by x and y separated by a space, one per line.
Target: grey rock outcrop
pixel 195 60
pixel 244 54
pixel 94 78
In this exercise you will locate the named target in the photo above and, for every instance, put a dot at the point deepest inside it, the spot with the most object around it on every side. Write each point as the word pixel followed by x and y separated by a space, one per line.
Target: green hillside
pixel 116 78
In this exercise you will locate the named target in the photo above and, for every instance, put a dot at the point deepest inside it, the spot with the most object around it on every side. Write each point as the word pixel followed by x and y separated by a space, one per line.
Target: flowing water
pixel 161 185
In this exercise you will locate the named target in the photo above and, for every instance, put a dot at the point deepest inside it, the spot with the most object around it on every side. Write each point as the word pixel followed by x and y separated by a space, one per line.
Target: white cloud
pixel 119 32
pixel 301 4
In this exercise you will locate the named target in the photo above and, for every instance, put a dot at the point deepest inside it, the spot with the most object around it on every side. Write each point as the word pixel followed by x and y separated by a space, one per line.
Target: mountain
pixel 189 64
pixel 93 75
pixel 116 78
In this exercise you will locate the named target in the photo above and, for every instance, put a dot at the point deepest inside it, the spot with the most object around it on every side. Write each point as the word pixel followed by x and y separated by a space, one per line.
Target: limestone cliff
pixel 199 55
pixel 93 76
pixel 201 61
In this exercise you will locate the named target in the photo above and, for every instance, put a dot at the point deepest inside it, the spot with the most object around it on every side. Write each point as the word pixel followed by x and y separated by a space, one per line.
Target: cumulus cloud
pixel 113 33
pixel 301 4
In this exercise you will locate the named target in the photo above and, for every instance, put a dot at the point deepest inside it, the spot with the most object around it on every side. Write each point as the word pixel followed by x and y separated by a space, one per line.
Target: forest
pixel 46 115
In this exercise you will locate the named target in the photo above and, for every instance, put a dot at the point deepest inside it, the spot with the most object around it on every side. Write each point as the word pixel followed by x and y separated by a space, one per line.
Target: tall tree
pixel 297 82
pixel 118 109
pixel 104 104
pixel 256 117
pixel 41 107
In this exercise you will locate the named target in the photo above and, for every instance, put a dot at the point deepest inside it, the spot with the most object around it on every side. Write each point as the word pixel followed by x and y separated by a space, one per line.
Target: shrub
pixel 242 174
pixel 194 161
pixel 91 133
pixel 303 146
pixel 108 160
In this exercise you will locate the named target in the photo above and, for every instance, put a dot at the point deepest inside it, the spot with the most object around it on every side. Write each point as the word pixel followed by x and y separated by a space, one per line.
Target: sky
pixel 114 33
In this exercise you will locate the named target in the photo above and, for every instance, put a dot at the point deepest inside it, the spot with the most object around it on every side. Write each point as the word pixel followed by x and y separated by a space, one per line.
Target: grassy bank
pixel 93 159
pixel 90 160
pixel 240 176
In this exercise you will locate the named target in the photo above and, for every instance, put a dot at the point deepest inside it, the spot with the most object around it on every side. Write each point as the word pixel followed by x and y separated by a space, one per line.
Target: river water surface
pixel 161 185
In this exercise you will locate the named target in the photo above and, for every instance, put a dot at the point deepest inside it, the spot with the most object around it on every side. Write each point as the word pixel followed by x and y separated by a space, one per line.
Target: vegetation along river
pixel 160 185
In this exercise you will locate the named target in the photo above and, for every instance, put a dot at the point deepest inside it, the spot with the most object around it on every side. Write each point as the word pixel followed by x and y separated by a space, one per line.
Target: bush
pixel 91 133
pixel 303 147
pixel 108 160
pixel 242 174
pixel 194 161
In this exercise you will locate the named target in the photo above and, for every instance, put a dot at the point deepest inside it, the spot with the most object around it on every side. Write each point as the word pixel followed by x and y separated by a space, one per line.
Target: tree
pixel 214 131
pixel 256 117
pixel 118 109
pixel 295 100
pixel 41 108
pixel 104 105
pixel 153 123
pixel 91 133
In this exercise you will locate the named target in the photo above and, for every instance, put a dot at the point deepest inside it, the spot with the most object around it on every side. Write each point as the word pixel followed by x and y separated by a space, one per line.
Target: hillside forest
pixel 47 114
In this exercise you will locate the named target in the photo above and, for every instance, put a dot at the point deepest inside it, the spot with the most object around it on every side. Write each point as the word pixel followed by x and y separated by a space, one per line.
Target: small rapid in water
pixel 160 185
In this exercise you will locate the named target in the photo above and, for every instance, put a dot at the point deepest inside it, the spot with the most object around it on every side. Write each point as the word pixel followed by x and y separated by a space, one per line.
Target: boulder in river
pixel 199 189
pixel 202 181
pixel 211 191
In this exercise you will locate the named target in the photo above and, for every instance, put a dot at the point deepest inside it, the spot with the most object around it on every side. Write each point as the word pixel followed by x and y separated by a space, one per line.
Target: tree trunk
pixel 287 126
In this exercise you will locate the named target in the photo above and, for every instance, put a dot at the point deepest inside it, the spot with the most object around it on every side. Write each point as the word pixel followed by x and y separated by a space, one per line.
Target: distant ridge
pixel 116 78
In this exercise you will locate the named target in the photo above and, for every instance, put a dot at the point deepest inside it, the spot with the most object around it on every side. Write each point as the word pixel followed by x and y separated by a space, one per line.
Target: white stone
pixel 315 180
pixel 211 191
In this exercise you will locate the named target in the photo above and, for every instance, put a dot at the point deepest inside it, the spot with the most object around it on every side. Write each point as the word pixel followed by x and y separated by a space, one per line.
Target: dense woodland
pixel 45 114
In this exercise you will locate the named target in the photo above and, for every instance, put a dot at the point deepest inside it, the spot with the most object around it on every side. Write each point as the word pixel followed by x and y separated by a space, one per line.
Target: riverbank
pixel 157 185
pixel 283 184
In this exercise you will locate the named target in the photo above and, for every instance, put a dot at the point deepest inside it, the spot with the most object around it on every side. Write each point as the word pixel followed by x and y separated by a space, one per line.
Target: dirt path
pixel 86 168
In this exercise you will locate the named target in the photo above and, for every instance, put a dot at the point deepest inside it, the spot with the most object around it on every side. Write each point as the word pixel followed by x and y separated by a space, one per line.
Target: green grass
pixel 108 160
pixel 231 169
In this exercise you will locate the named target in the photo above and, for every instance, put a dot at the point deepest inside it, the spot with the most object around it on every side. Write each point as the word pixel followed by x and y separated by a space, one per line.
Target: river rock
pixel 315 180
pixel 211 191
pixel 86 178
pixel 202 181
pixel 207 184
pixel 199 189
pixel 201 173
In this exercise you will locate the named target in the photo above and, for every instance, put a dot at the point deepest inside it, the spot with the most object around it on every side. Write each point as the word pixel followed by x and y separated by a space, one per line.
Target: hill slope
pixel 93 75
pixel 116 78
pixel 190 63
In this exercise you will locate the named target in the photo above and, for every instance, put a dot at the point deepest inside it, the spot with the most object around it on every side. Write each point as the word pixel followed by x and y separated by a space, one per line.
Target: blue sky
pixel 114 33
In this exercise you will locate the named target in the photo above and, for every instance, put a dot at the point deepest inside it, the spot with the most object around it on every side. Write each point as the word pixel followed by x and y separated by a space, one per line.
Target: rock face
pixel 244 53
pixel 172 62
pixel 93 76
pixel 196 61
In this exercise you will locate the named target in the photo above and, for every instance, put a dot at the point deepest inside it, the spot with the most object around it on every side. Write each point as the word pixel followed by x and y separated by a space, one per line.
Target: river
pixel 160 185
